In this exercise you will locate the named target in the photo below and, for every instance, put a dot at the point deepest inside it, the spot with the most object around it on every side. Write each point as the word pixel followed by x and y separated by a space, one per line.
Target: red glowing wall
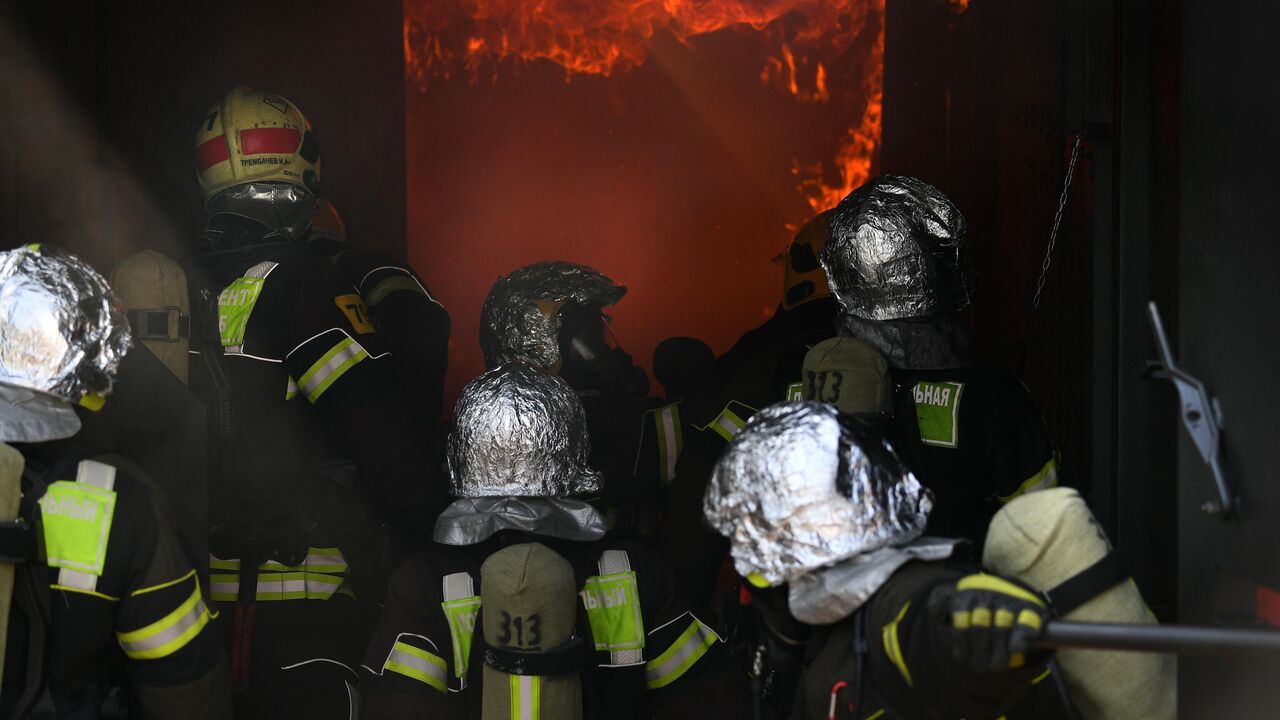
pixel 679 177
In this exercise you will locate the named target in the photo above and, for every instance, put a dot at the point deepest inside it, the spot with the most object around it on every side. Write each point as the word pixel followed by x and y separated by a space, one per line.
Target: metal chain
pixel 1057 222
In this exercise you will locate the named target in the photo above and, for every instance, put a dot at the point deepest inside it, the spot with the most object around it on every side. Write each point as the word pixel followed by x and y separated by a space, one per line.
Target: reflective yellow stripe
pixel 982 581
pixel 321 560
pixel 279 586
pixel 892 648
pixel 341 357
pixel 728 423
pixel 290 389
pixel 666 421
pixel 875 715
pixel 417 664
pixel 1043 480
pixel 683 654
pixel 161 586
pixel 168 634
pixel 1042 676
pixel 526 697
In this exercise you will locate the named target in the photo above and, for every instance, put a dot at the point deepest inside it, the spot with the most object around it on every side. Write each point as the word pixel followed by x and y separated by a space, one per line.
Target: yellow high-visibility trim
pixel 982 581
pixel 683 654
pixel 343 356
pixel 1048 475
pixel 892 648
pixel 92 402
pixel 94 593
pixel 960 620
pixel 417 664
pixel 980 617
pixel 170 633
pixel 1042 676
pixel 1029 618
pixel 759 581
pixel 875 715
pixel 161 586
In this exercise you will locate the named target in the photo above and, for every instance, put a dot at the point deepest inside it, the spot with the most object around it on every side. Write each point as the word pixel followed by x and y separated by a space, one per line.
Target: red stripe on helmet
pixel 270 141
pixel 211 152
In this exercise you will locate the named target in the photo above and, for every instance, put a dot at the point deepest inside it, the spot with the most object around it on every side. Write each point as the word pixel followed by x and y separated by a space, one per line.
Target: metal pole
pixel 1174 639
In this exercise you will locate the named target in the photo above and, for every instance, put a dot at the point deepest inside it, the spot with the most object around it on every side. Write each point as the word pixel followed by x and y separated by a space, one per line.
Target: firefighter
pixel 313 425
pixel 897 261
pixel 762 368
pixel 411 322
pixel 551 314
pixel 523 606
pixel 824 523
pixel 110 583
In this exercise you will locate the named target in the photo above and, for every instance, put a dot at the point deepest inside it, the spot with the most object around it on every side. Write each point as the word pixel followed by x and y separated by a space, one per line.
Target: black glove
pixel 988 623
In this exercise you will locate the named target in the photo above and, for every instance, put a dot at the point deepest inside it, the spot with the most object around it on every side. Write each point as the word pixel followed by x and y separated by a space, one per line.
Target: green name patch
pixel 77 522
pixel 613 610
pixel 938 412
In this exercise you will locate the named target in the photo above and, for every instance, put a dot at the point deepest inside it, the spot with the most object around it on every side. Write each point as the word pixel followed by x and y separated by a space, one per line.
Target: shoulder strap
pixel 1087 584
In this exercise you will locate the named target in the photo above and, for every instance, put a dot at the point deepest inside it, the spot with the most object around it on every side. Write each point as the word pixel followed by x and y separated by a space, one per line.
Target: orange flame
pixel 443 38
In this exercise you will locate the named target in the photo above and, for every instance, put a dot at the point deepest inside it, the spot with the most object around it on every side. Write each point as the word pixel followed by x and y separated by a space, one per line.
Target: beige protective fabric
pixel 849 374
pixel 529 604
pixel 155 283
pixel 11 464
pixel 1047 537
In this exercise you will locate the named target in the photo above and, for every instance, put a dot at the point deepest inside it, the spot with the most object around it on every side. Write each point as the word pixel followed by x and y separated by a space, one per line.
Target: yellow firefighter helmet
pixel 803 278
pixel 256 136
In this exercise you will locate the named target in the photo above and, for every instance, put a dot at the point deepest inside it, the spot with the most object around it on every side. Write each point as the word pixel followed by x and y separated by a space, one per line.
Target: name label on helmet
pixel 938 412
pixel 613 610
pixel 77 522
pixel 357 314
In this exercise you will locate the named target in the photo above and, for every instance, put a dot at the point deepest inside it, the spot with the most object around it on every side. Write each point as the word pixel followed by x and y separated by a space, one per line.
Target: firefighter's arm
pixel 410 664
pixel 964 645
pixel 1026 456
pixel 175 660
pixel 341 369
pixel 688 670
pixel 410 320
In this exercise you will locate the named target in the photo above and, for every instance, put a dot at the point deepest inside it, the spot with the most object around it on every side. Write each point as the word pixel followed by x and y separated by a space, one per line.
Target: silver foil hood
pixel 896 249
pixel 801 487
pixel 512 326
pixel 62 331
pixel 519 432
pixel 286 209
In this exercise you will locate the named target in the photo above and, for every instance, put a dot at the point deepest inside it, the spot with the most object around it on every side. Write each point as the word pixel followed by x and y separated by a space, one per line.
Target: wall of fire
pixel 677 147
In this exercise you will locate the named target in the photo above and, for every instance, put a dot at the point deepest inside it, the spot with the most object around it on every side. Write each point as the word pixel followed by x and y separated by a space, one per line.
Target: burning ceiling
pixel 447 38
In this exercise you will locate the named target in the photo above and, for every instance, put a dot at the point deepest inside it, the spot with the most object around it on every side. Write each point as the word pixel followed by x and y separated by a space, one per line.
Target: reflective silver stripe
pixel 682 655
pixel 78 580
pixel 414 662
pixel 99 475
pixel 525 700
pixel 291 389
pixel 261 270
pixel 155 644
pixel 667 420
pixel 343 355
pixel 617 561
